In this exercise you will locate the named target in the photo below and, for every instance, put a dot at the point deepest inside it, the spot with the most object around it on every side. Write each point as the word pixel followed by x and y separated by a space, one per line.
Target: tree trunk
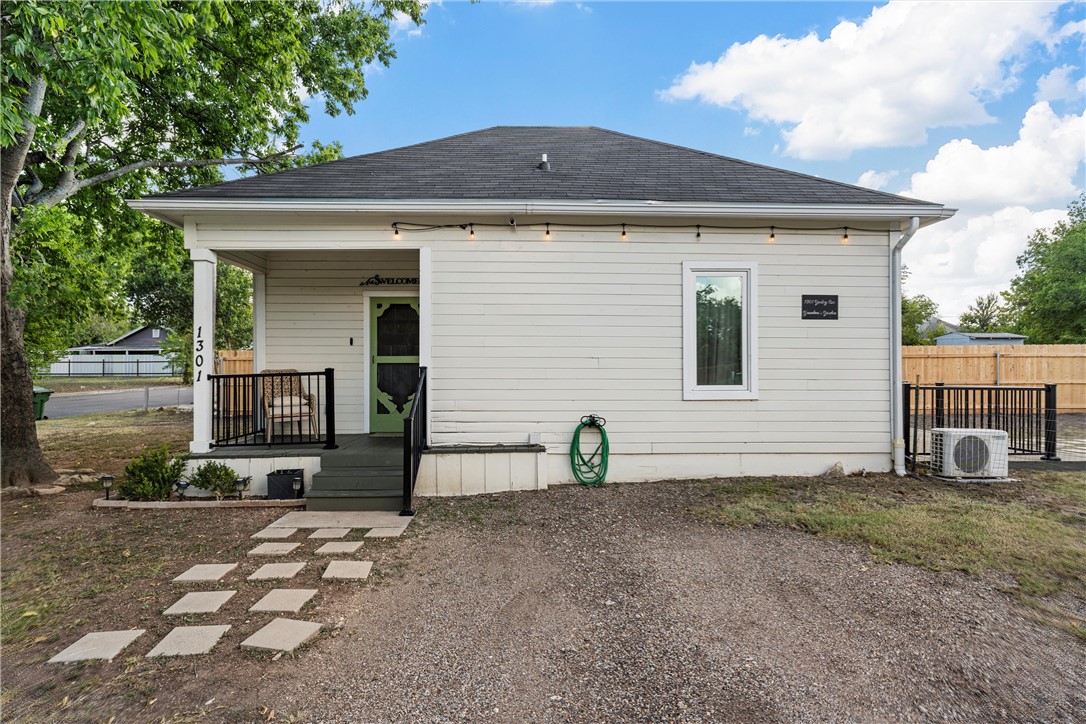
pixel 21 460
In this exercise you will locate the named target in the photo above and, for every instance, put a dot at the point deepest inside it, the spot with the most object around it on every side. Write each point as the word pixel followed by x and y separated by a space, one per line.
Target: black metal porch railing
pixel 274 407
pixel 414 442
pixel 1026 414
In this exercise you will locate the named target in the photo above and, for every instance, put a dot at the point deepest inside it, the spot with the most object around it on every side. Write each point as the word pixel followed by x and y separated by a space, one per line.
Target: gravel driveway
pixel 615 605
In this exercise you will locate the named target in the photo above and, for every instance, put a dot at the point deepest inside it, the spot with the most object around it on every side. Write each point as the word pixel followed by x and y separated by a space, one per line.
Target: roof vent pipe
pixel 544 165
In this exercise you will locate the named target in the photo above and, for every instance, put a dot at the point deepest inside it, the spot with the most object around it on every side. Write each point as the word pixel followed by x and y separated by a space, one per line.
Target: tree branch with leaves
pixel 230 81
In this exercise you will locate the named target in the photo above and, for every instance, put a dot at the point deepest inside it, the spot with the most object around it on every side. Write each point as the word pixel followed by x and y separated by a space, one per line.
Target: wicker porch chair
pixel 285 400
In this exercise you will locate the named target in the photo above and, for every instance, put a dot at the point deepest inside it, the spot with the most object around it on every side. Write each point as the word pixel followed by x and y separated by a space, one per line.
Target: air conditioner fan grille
pixel 971 454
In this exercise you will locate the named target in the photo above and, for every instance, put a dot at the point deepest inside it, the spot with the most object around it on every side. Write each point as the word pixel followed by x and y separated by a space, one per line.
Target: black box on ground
pixel 281 484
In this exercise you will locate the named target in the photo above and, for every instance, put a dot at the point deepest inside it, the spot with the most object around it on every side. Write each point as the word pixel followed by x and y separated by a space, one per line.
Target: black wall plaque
pixel 819 306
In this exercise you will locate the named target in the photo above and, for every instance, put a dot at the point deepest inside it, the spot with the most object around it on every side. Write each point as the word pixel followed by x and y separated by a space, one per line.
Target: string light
pixel 411 226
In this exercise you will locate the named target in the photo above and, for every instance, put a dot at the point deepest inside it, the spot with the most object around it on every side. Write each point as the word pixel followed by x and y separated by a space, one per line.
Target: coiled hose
pixel 591 470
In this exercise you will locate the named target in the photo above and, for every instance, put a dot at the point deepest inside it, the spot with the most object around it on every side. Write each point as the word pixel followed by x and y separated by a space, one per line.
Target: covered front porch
pixel 337 388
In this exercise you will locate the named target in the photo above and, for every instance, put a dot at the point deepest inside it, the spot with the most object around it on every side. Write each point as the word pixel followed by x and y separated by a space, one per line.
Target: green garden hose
pixel 591 470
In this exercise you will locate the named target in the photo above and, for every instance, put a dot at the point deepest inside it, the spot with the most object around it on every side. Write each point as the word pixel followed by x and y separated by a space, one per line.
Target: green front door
pixel 394 360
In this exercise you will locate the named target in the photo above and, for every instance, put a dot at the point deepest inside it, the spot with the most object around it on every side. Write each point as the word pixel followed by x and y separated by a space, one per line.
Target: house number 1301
pixel 199 348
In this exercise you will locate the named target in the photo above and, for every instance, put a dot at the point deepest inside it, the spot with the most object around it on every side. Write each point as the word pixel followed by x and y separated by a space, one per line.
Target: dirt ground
pixel 572 604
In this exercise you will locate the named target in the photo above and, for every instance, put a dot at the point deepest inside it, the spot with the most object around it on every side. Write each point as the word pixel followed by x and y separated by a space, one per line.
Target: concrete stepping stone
pixel 101 645
pixel 276 570
pixel 384 532
pixel 206 572
pixel 273 549
pixel 275 533
pixel 330 533
pixel 282 634
pixel 204 602
pixel 342 519
pixel 189 640
pixel 348 570
pixel 289 600
pixel 338 547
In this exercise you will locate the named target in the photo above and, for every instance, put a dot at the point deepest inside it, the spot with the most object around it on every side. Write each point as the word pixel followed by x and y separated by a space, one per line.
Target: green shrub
pixel 216 478
pixel 152 475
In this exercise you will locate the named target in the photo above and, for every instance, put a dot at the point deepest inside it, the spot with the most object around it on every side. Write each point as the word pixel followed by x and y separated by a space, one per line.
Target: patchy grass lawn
pixel 69 569
pixel 1033 531
pixel 99 384
pixel 105 442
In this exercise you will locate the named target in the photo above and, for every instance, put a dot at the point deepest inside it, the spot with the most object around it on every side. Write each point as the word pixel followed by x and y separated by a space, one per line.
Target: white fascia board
pixel 173 210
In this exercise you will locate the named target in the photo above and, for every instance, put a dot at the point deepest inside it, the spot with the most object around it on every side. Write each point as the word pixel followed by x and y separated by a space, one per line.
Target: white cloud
pixel 402 22
pixel 956 261
pixel 906 68
pixel 876 179
pixel 1058 86
pixel 1041 168
pixel 751 131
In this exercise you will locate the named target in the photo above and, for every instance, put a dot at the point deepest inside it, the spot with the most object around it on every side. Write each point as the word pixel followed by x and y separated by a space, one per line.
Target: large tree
pixel 104 99
pixel 985 314
pixel 1048 298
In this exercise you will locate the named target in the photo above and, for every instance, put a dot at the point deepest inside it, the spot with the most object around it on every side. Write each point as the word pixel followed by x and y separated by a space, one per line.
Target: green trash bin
pixel 41 396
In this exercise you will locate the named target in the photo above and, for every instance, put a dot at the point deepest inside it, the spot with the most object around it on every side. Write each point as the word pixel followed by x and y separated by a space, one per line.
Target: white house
pixel 726 318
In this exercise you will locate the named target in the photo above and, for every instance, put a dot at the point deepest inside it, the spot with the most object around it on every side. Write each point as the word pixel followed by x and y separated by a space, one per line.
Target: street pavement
pixel 70 405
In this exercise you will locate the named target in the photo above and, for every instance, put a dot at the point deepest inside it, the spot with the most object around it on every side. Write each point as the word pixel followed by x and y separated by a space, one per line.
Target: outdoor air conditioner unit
pixel 968 453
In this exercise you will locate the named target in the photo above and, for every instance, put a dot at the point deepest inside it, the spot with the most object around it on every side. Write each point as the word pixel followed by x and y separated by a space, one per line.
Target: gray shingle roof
pixel 501 163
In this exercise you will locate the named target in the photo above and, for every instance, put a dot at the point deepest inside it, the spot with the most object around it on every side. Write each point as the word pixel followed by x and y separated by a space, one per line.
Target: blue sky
pixel 979 106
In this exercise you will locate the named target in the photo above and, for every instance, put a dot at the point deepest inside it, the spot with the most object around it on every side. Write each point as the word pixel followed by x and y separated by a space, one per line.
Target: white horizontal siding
pixel 314 306
pixel 529 335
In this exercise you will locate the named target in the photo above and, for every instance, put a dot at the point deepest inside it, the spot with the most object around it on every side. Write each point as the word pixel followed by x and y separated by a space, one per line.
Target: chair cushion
pixel 288 405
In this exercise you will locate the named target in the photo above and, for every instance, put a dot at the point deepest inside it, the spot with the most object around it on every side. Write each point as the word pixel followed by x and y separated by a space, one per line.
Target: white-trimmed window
pixel 720 330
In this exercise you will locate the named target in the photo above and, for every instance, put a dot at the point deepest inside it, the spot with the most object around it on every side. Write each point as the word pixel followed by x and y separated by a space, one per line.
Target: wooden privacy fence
pixel 1032 365
pixel 236 362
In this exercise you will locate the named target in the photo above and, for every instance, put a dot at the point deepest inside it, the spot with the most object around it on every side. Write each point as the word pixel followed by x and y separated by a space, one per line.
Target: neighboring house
pixel 137 353
pixel 932 325
pixel 980 338
pixel 726 318
pixel 147 339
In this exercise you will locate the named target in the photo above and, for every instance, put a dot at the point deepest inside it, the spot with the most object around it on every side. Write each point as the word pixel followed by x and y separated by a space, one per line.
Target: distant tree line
pixel 1046 301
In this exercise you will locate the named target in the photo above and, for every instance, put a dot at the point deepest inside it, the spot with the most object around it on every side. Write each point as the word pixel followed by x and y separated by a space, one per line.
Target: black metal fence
pixel 274 407
pixel 414 442
pixel 1026 414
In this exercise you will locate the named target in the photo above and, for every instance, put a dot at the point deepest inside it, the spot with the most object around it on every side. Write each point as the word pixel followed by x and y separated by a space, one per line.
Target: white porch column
pixel 204 263
pixel 260 339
